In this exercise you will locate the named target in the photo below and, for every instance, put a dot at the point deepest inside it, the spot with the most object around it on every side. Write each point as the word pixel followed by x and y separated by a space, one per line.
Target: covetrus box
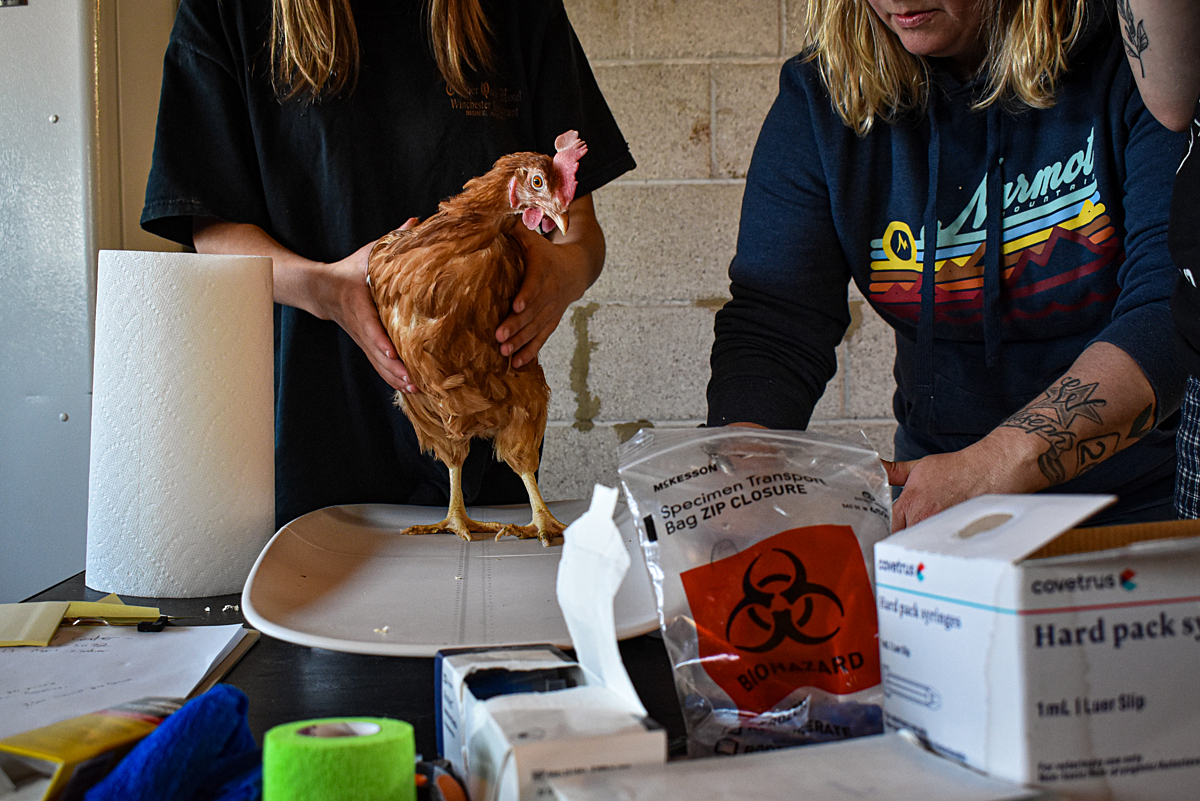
pixel 1051 655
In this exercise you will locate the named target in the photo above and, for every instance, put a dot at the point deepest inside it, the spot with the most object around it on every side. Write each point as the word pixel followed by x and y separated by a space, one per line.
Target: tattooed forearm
pixel 1133 33
pixel 1048 427
pixel 1069 416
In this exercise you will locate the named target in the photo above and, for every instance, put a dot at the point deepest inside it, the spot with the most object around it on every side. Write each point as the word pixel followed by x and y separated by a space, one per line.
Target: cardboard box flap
pixel 1003 528
pixel 513 658
pixel 575 712
pixel 1136 537
pixel 594 698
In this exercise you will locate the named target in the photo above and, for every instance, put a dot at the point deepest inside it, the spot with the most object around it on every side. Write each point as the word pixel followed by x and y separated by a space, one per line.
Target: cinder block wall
pixel 690 82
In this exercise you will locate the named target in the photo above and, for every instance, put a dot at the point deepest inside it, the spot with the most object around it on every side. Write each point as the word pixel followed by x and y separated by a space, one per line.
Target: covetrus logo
pixel 901 568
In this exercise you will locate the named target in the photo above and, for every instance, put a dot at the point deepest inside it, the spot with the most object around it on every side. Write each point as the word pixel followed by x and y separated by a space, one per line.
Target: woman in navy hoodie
pixel 988 176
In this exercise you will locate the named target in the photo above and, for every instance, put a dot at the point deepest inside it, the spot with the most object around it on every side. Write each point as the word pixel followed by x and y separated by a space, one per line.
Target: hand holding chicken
pixel 442 287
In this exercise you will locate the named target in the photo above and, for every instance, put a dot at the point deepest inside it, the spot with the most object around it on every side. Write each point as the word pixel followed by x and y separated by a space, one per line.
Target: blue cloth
pixel 203 752
pixel 998 246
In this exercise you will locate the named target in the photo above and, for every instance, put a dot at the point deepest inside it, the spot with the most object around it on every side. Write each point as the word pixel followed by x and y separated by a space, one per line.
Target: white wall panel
pixel 62 164
pixel 47 235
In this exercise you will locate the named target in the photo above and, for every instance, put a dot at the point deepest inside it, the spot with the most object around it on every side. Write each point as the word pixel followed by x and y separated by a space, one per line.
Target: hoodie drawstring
pixel 929 273
pixel 993 257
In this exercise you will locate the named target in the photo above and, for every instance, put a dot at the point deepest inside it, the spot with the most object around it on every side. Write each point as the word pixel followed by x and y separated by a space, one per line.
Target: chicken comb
pixel 566 161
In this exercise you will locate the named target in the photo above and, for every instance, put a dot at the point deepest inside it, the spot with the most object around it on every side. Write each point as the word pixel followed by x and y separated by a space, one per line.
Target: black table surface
pixel 287 682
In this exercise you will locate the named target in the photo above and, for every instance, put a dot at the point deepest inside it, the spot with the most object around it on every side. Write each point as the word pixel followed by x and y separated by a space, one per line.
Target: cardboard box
pixel 1061 657
pixel 511 719
pixel 884 767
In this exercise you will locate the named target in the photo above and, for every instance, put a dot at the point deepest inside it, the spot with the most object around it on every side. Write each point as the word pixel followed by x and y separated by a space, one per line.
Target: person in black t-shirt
pixel 267 143
pixel 1183 239
pixel 1162 40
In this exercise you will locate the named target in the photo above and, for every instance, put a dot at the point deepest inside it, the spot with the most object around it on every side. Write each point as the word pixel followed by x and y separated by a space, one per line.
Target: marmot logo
pixel 778 620
pixel 902 246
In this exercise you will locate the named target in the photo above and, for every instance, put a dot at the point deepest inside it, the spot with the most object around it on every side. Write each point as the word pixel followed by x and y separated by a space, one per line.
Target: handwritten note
pixel 88 668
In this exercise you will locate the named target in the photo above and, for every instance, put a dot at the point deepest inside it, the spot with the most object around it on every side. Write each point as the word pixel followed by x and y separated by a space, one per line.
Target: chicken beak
pixel 560 219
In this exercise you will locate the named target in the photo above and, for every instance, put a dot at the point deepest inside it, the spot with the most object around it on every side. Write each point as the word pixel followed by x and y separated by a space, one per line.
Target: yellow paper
pixel 30 624
pixel 112 612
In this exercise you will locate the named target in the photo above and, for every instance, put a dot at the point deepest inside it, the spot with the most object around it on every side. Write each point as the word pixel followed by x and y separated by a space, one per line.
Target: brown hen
pixel 442 288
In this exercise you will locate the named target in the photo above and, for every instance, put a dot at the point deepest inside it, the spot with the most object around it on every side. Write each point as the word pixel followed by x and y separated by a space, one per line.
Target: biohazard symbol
pixel 779 621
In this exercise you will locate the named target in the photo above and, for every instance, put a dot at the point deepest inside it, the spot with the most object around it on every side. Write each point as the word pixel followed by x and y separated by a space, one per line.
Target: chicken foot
pixel 456 520
pixel 545 526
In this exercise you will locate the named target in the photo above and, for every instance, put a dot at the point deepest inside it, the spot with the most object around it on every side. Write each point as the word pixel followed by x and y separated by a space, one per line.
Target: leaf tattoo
pixel 1135 39
pixel 1143 424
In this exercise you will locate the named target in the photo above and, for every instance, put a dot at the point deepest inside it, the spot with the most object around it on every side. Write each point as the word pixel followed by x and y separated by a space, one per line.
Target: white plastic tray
pixel 344 578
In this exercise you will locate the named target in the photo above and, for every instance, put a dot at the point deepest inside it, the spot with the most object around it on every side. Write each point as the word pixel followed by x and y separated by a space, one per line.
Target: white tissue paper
pixel 593 564
pixel 181 490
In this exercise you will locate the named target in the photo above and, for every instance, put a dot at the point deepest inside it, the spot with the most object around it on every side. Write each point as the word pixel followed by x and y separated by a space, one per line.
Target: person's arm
pixel 775 340
pixel 1162 41
pixel 1102 405
pixel 558 271
pixel 336 291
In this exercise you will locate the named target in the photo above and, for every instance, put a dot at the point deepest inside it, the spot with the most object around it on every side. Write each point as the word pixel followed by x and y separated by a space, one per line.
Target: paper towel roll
pixel 181 489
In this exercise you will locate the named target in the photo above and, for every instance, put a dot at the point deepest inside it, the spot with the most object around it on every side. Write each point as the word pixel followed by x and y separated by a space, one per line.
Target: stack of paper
pixel 88 668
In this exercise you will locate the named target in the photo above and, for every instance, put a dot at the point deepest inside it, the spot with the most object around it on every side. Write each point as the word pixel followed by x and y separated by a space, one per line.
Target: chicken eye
pixel 538 182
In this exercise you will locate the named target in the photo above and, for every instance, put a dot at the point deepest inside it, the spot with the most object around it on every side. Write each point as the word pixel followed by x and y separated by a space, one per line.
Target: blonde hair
pixel 314 45
pixel 869 74
pixel 459 34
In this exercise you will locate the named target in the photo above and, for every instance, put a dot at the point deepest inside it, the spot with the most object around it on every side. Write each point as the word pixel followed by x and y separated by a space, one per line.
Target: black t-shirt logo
pixel 781 623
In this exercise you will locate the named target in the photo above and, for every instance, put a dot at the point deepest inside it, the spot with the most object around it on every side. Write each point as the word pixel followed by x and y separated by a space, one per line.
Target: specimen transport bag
pixel 758 545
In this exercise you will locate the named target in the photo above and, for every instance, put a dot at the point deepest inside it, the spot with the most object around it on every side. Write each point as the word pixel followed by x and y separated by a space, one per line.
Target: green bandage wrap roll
pixel 340 759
